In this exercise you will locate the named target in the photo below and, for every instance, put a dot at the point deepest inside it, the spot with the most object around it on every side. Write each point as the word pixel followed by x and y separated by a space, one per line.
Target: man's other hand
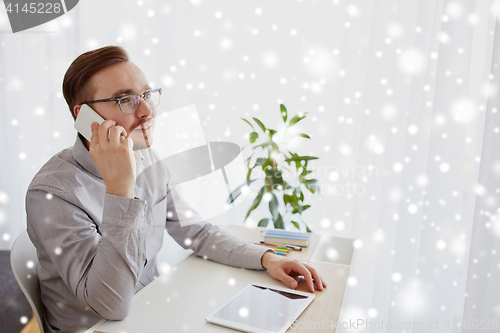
pixel 113 157
pixel 286 269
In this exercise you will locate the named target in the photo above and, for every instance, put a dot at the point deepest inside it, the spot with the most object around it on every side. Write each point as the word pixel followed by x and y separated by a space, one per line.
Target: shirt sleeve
pixel 100 265
pixel 207 240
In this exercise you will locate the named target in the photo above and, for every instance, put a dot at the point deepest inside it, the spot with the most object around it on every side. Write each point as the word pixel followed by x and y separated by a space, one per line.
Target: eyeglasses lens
pixel 130 103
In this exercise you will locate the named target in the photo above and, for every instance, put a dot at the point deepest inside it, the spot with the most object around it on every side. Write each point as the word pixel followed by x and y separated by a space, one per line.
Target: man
pixel 97 232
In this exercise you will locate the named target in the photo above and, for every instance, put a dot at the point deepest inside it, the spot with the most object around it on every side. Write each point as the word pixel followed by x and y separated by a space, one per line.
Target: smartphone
pixel 84 120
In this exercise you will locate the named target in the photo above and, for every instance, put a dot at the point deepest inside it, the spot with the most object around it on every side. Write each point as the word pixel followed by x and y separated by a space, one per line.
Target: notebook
pixel 276 236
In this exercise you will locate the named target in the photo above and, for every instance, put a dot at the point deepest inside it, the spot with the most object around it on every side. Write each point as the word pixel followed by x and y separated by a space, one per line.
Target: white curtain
pixel 402 109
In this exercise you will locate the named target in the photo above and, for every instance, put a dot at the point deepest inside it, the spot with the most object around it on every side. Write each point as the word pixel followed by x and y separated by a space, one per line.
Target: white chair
pixel 23 260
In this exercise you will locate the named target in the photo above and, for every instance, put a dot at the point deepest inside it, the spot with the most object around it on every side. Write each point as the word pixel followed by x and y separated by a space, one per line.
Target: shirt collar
pixel 82 156
pixel 139 158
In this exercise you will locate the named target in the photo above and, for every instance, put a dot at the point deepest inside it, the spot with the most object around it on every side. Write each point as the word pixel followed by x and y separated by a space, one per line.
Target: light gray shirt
pixel 96 250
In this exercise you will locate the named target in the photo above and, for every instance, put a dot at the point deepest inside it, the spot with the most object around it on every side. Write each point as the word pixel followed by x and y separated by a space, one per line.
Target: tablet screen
pixel 264 308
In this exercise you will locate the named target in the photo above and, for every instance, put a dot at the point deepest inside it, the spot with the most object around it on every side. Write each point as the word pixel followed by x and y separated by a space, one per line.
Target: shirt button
pixel 142 213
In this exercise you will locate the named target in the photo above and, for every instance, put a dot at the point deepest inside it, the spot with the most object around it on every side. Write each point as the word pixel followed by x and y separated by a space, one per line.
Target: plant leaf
pixel 284 113
pixel 301 158
pixel 307 181
pixel 271 133
pixel 274 206
pixel 307 227
pixel 290 199
pixel 248 122
pixel 286 186
pixel 296 225
pixel 268 143
pixel 237 191
pixel 278 223
pixel 232 197
pixel 253 137
pixel 287 137
pixel 297 159
pixel 300 195
pixel 261 125
pixel 298 209
pixel 276 177
pixel 256 201
pixel 310 184
pixel 260 161
pixel 305 172
pixel 263 222
pixel 249 173
pixel 296 119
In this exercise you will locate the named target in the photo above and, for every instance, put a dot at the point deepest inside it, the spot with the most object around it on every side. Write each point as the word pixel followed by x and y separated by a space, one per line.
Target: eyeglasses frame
pixel 117 99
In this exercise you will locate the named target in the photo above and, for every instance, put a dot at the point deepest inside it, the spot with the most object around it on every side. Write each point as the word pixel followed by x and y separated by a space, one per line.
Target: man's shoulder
pixel 58 172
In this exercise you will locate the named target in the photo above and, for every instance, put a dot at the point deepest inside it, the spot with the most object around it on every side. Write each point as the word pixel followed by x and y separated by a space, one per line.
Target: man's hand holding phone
pixel 112 153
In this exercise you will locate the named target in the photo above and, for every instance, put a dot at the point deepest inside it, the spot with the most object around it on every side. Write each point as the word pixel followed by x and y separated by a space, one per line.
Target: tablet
pixel 261 308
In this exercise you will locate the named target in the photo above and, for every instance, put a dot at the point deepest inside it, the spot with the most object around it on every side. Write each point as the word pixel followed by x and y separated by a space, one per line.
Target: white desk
pixel 180 300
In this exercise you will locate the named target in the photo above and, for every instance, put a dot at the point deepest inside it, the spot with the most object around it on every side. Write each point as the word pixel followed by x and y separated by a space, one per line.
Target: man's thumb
pixel 290 282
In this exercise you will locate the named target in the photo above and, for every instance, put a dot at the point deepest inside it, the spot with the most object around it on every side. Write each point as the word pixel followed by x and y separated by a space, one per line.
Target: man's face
pixel 118 80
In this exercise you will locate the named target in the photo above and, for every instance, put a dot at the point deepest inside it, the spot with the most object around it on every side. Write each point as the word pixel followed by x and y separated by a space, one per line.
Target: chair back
pixel 23 260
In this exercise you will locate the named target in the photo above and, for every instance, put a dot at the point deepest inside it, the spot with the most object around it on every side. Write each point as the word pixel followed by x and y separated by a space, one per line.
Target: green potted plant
pixel 270 155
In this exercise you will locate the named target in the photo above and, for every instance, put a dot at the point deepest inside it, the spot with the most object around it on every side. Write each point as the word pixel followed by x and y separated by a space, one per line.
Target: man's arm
pixel 191 231
pixel 100 267
pixel 211 242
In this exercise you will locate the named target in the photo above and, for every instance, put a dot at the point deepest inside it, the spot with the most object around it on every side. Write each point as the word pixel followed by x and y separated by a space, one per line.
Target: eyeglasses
pixel 129 103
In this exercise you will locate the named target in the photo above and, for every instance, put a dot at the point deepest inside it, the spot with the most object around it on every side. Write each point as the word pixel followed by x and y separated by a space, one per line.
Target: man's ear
pixel 76 110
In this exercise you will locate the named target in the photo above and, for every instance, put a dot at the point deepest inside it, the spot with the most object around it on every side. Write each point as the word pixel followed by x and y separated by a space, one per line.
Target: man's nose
pixel 143 110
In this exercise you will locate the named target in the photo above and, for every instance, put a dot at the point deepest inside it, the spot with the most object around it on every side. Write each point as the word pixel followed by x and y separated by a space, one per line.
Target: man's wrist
pixel 266 258
pixel 126 192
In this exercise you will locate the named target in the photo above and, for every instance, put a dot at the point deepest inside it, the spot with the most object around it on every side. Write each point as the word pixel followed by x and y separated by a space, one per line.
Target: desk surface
pixel 180 300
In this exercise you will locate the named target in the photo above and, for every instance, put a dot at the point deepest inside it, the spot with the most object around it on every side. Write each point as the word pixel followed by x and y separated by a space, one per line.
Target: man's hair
pixel 76 84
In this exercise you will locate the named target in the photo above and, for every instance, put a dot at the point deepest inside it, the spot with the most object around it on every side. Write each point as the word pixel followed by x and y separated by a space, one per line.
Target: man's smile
pixel 145 128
